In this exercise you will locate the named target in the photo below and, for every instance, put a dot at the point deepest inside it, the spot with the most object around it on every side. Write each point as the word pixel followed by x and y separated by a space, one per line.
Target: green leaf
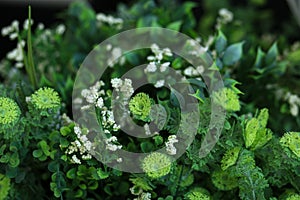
pixel 272 54
pixel 177 63
pixel 37 153
pixel 102 174
pixel 45 148
pixel 2 149
pixel 14 160
pixel 233 53
pixel 147 147
pixel 221 42
pixel 65 130
pixel 259 58
pixel 158 140
pixel 251 129
pixel 175 25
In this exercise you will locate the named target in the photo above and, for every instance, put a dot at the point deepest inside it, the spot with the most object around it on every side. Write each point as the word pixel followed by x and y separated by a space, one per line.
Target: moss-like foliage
pixel 9 112
pixel 45 98
pixel 156 165
pixel 197 194
pixel 223 181
pixel 291 140
pixel 4 186
pixel 227 98
pixel 140 106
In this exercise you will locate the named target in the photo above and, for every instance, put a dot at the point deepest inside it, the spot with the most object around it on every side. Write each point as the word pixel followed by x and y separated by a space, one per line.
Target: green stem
pixel 30 68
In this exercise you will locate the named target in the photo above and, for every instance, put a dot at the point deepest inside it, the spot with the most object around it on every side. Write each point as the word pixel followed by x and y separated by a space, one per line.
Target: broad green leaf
pixel 233 53
pixel 251 129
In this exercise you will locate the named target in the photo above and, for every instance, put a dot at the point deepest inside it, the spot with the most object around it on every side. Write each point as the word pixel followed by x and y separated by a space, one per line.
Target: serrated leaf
pixel 233 53
pixel 251 129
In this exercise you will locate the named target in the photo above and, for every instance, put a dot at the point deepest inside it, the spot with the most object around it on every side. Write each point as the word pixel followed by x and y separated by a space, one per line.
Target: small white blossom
pixel 226 15
pixel 26 23
pixel 19 65
pixel 159 83
pixel 41 26
pixel 60 29
pixel 75 160
pixel 164 66
pixel 147 129
pixel 119 160
pixel 170 148
pixel 13 36
pixel 151 67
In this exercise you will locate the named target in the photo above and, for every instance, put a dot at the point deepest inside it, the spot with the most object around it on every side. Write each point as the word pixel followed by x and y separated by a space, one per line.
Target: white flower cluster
pixel 294 102
pixel 140 193
pixel 144 196
pixel 110 20
pixel 13 32
pixel 60 29
pixel 170 144
pixel 191 71
pixel 82 146
pixel 110 145
pixel 124 88
pixel 115 56
pixel 225 17
pixel 26 24
pixel 92 95
pixel 155 62
pixel 147 129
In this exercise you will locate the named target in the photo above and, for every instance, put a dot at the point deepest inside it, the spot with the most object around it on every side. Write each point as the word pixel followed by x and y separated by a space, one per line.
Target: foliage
pixel 44 154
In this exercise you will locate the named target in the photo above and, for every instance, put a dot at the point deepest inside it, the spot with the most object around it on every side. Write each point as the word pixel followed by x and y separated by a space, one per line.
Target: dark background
pixel 46 13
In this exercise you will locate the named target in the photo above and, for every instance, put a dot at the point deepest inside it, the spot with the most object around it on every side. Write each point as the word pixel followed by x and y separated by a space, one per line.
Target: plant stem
pixel 30 64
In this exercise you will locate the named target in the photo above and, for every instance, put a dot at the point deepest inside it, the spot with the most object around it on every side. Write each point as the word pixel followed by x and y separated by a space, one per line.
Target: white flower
pixel 226 15
pixel 100 103
pixel 164 66
pixel 116 82
pixel 13 36
pixel 60 29
pixel 75 160
pixel 167 52
pixel 119 160
pixel 147 129
pixel 170 148
pixel 26 23
pixel 41 26
pixel 154 48
pixel 77 130
pixel 294 109
pixel 159 83
pixel 15 25
pixel 19 64
pixel 151 67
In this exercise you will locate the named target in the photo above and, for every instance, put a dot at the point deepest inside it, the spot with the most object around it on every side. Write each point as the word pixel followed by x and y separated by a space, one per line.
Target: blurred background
pixel 47 12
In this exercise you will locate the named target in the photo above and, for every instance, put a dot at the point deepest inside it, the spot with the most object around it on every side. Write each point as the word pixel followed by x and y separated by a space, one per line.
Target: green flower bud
pixel 45 98
pixel 156 165
pixel 228 99
pixel 196 194
pixel 140 106
pixel 9 112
